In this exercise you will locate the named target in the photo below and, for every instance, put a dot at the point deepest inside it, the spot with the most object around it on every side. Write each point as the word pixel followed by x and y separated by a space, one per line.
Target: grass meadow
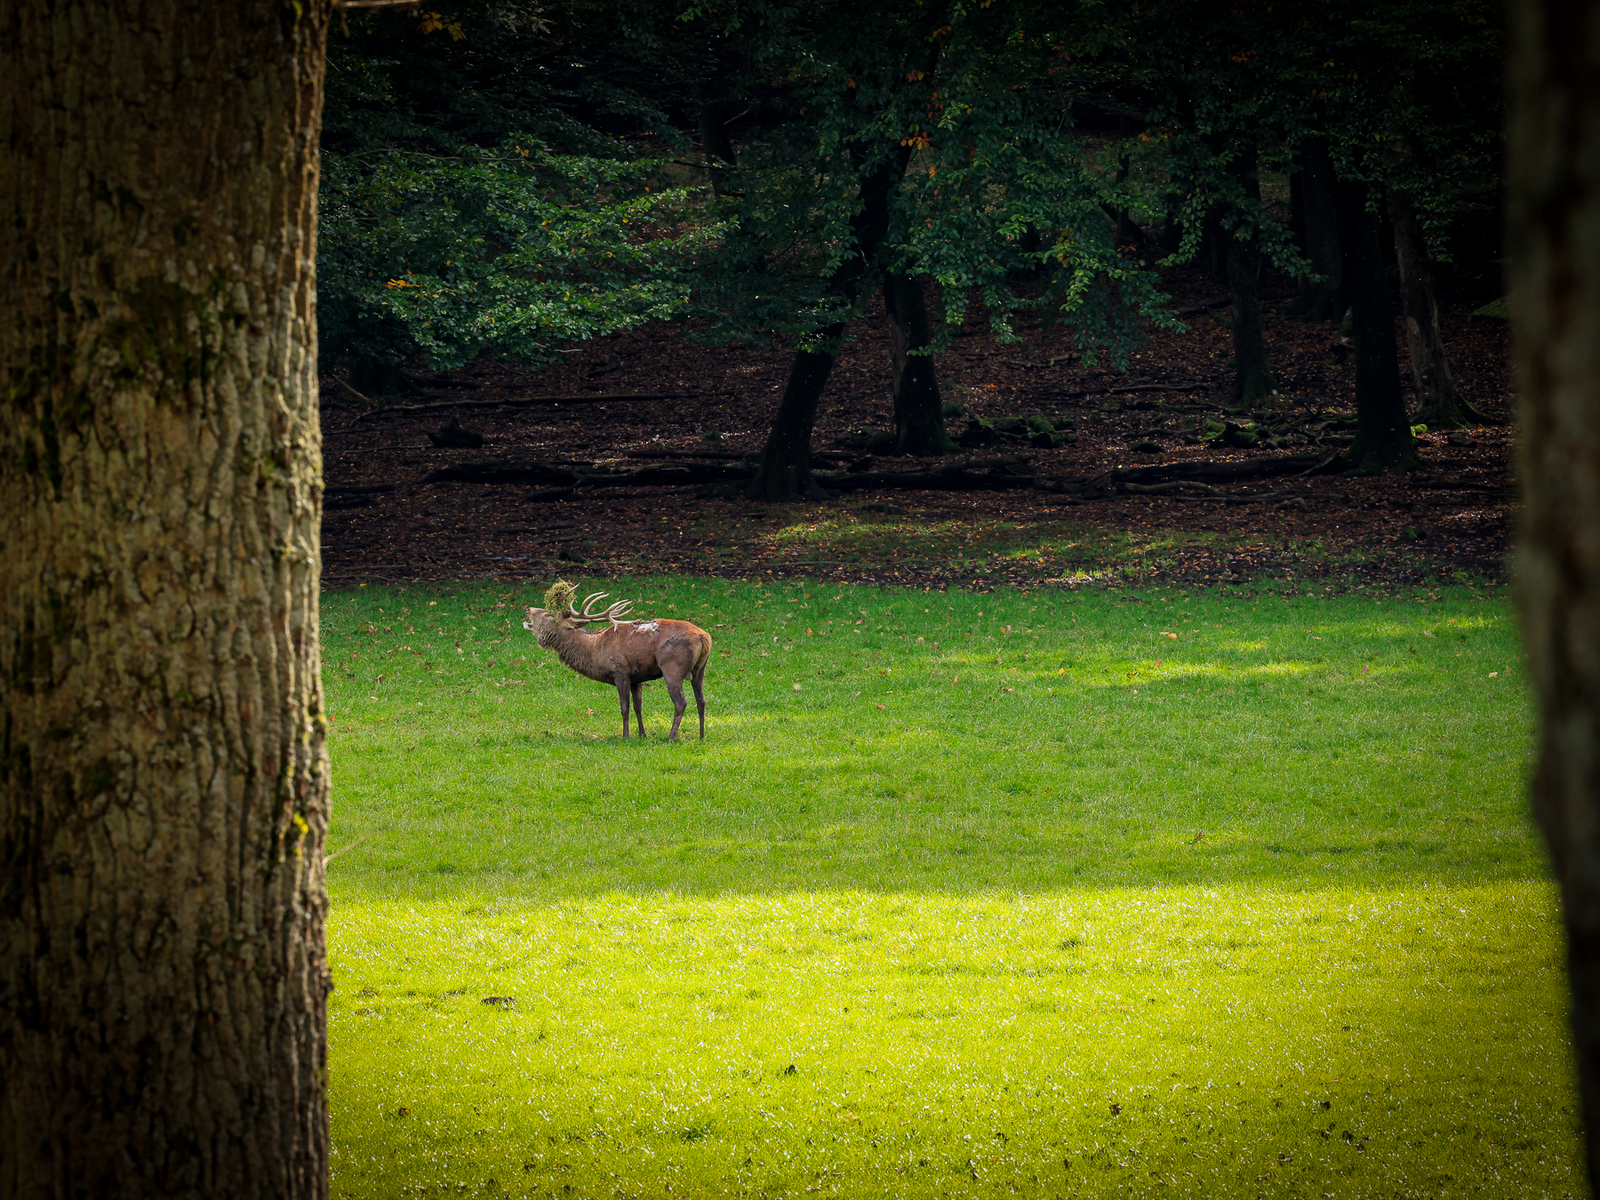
pixel 1041 893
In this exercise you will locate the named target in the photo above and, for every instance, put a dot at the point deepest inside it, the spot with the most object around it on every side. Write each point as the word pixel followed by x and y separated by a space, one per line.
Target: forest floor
pixel 653 396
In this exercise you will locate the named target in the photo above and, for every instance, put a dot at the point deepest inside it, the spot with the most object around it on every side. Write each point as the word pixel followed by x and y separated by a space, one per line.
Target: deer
pixel 626 653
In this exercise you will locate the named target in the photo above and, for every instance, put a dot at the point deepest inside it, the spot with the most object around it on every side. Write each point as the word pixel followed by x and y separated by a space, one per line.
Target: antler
pixel 589 615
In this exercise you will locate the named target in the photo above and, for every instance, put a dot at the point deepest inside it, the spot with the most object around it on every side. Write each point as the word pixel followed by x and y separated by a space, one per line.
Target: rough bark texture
pixel 1554 244
pixel 1323 299
pixel 1383 435
pixel 918 410
pixel 785 470
pixel 163 780
pixel 1439 405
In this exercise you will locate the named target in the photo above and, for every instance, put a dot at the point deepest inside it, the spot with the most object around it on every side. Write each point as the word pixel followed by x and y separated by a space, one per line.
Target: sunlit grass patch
pixel 1209 1041
pixel 1053 851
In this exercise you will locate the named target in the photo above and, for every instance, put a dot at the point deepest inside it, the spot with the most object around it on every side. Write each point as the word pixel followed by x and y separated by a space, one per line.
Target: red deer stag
pixel 625 653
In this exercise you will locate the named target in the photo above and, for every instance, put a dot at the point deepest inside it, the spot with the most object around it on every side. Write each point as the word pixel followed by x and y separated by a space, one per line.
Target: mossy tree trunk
pixel 1383 434
pixel 785 469
pixel 918 409
pixel 163 776
pixel 1554 175
pixel 1439 405
pixel 1322 299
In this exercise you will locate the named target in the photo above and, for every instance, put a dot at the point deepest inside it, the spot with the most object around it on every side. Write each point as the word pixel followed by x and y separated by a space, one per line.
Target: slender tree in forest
pixel 163 775
pixel 918 408
pixel 1384 441
pixel 1321 296
pixel 1554 245
pixel 1252 376
pixel 1439 405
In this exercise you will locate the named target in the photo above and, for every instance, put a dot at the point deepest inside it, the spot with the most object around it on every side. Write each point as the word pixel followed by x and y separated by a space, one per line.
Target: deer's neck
pixel 574 647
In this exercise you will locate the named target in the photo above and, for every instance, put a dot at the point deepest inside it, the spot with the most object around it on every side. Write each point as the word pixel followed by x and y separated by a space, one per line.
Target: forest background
pixel 1004 261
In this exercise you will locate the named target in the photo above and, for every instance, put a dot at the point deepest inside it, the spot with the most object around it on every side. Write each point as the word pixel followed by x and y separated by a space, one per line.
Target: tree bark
pixel 1383 435
pixel 918 409
pixel 163 775
pixel 785 470
pixel 1554 226
pixel 1439 405
pixel 1252 377
pixel 1323 299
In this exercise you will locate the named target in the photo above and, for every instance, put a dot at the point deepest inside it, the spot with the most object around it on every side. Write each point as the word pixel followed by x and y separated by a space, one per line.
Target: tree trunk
pixel 1383 435
pixel 785 470
pixel 1439 405
pixel 1252 377
pixel 1554 150
pixel 1213 251
pixel 1324 299
pixel 918 410
pixel 716 143
pixel 163 775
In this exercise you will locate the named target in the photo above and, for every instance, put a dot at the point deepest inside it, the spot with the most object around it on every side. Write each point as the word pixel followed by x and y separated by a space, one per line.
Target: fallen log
pixel 1249 468
pixel 548 474
pixel 1123 391
pixel 731 455
pixel 948 481
pixel 1162 479
pixel 519 401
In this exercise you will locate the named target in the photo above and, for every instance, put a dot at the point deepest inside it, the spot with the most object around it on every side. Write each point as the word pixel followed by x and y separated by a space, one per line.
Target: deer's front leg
pixel 622 698
pixel 638 704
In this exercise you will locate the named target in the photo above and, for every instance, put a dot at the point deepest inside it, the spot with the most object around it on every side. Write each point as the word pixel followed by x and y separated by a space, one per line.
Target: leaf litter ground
pixel 713 405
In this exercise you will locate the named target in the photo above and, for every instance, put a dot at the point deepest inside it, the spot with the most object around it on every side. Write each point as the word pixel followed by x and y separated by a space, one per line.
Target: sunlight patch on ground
pixel 1158 1040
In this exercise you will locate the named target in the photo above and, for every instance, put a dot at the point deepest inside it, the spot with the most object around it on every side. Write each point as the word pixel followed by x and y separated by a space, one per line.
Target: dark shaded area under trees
pixel 762 172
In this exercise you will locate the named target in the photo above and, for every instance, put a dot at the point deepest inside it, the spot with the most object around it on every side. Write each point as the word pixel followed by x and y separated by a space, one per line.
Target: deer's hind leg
pixel 698 679
pixel 673 676
pixel 638 703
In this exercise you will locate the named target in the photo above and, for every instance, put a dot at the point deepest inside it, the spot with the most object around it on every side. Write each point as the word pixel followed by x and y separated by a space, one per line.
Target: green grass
pixel 1031 897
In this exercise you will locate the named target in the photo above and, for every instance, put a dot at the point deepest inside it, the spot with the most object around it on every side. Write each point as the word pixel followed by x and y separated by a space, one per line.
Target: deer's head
pixel 561 613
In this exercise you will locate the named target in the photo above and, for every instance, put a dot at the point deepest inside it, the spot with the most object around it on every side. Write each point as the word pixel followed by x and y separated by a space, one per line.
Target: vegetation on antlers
pixel 559 596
